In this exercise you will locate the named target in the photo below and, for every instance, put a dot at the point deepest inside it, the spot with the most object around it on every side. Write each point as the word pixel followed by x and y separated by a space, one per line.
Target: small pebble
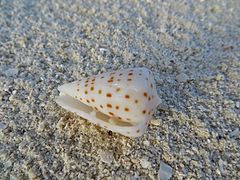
pixel 145 163
pixel 165 171
pixel 31 174
pixel 219 77
pixel 158 138
pixel 8 164
pixel 155 122
pixel 221 165
pixel 234 133
pixel 182 77
pixel 146 143
pixel 13 177
pixel 237 104
pixel 2 126
pixel 103 50
pixel 11 98
pixel 42 126
pixel 105 156
pixel 11 72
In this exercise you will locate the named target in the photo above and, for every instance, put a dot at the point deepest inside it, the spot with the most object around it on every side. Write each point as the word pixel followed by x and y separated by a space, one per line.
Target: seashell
pixel 121 101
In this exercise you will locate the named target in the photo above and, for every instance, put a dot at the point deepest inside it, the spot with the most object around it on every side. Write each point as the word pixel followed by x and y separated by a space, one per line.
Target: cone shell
pixel 121 101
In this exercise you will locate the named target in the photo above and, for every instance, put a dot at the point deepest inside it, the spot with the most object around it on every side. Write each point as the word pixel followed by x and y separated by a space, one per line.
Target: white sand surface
pixel 192 48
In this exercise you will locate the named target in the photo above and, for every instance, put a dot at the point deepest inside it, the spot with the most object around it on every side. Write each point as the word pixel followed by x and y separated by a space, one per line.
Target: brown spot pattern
pixel 127 96
pixel 145 94
pixel 109 105
pixel 109 95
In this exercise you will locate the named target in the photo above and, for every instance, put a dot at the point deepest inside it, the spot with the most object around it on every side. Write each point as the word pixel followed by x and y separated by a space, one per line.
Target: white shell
pixel 121 101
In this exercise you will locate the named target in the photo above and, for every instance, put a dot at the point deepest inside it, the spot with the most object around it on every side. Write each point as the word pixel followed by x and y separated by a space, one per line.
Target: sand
pixel 192 48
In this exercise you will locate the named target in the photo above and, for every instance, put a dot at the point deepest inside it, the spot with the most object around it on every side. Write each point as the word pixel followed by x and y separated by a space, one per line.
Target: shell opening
pixel 86 111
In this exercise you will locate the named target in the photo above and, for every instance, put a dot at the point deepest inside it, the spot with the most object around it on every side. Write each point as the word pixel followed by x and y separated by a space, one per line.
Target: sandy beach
pixel 191 47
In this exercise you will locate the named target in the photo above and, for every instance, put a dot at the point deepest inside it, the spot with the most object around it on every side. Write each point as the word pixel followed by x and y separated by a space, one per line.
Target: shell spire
pixel 121 101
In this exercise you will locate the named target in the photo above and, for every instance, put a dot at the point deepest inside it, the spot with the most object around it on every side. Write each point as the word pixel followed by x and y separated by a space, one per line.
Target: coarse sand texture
pixel 192 51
